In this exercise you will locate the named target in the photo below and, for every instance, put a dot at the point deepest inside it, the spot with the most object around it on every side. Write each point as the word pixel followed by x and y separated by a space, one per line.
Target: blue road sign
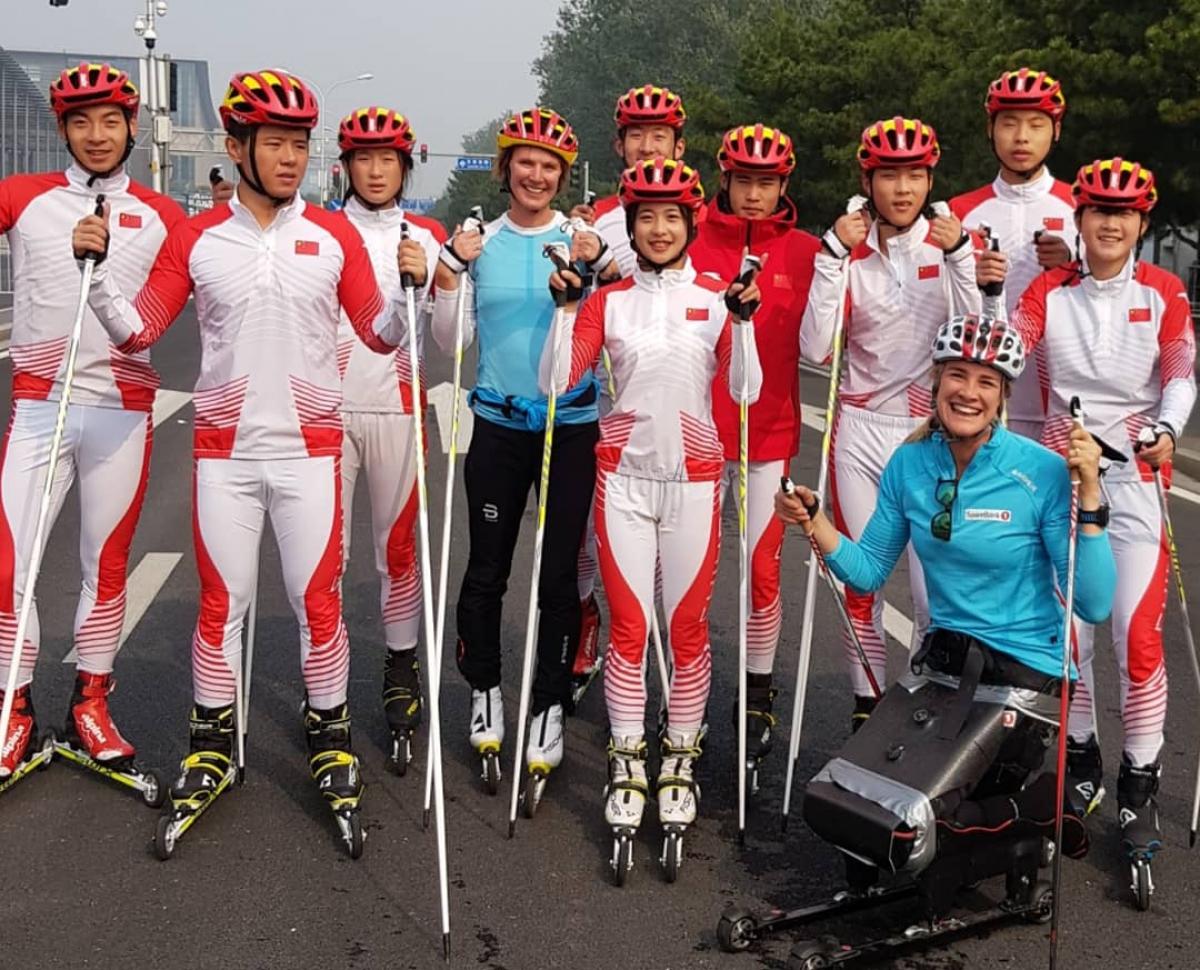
pixel 470 163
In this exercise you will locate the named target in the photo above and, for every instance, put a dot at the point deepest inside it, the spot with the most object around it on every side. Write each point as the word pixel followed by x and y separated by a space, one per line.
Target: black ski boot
pixel 335 769
pixel 1085 776
pixel 1141 837
pixel 760 725
pixel 206 772
pixel 402 704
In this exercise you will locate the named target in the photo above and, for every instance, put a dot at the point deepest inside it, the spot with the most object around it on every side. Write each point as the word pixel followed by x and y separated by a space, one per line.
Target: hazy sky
pixel 450 65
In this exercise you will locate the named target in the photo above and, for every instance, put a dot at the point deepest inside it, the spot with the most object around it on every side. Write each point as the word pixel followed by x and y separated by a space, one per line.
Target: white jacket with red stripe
pixel 1125 346
pixel 610 225
pixel 38 213
pixel 268 303
pixel 894 306
pixel 1014 213
pixel 373 382
pixel 668 336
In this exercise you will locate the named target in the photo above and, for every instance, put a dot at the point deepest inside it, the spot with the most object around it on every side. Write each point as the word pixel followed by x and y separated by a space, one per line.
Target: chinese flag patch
pixel 307 247
pixel 129 220
pixel 697 313
pixel 1139 314
pixel 1053 222
pixel 930 272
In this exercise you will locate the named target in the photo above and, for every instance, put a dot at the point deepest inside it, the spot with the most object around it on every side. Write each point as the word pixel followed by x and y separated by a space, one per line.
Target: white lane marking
pixel 167 402
pixel 442 399
pixel 143 586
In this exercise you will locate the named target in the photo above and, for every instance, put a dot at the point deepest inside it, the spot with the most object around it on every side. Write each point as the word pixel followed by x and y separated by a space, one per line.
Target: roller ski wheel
pixel 1142 883
pixel 165 835
pixel 808 956
pixel 736 930
pixel 402 705
pixel 672 853
pixel 149 783
pixel 401 754
pixel 1141 834
pixel 621 862
pixel 490 770
pixel 350 828
pixel 535 788
pixel 1041 904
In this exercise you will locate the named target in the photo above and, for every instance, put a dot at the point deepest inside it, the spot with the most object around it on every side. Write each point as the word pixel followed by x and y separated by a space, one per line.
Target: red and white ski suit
pixel 1014 213
pixel 268 436
pixel 377 420
pixel 108 432
pixel 659 464
pixel 1126 347
pixel 894 306
pixel 774 420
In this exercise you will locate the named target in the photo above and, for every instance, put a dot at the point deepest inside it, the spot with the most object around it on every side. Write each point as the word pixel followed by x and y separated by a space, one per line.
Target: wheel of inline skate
pixel 807 956
pixel 1143 884
pixel 155 793
pixel 1041 903
pixel 401 755
pixel 736 930
pixel 164 838
pixel 622 858
pixel 672 855
pixel 491 773
pixel 535 785
pixel 352 834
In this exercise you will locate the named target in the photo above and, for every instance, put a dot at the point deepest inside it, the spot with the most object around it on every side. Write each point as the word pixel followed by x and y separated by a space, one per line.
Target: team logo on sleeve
pixel 988 515
pixel 1053 223
pixel 129 220
pixel 308 247
pixel 696 313
pixel 1139 314
pixel 930 272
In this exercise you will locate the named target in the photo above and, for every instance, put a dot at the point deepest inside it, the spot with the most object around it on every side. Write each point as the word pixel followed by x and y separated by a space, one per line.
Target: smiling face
pixel 377 174
pixel 969 397
pixel 280 155
pixel 660 233
pixel 98 135
pixel 1023 139
pixel 534 177
pixel 642 143
pixel 754 196
pixel 1109 235
pixel 899 194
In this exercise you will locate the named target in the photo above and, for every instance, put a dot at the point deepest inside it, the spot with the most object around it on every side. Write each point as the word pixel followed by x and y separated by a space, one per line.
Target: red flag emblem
pixel 1139 314
pixel 1054 223
pixel 129 220
pixel 307 247
pixel 697 313
pixel 930 272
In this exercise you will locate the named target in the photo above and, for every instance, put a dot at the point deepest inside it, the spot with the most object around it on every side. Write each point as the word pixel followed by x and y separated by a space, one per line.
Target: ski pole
pixel 242 684
pixel 434 766
pixel 1147 437
pixel 474 221
pixel 750 266
pixel 1064 701
pixel 560 255
pixel 788 488
pixel 43 519
pixel 810 589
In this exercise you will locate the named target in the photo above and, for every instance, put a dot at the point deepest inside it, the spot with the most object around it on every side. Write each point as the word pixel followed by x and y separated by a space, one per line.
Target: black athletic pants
pixel 502 466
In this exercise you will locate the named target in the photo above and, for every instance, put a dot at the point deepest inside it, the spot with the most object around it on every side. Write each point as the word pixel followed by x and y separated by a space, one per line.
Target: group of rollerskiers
pixel 638 362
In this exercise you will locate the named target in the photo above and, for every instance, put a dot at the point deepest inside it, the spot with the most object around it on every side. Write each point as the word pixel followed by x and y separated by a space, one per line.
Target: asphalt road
pixel 261 881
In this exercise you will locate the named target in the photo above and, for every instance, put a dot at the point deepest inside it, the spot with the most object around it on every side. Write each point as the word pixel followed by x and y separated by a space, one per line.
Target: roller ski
pixel 678 795
pixel 1141 837
pixel 206 773
pixel 335 769
pixel 760 726
pixel 402 704
pixel 91 740
pixel 588 662
pixel 487 734
pixel 625 800
pixel 543 754
pixel 23 750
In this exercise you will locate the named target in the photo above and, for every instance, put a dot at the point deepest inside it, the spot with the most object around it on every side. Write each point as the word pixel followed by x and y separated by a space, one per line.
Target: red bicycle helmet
pixel 662 180
pixel 540 128
pixel 1115 184
pixel 376 128
pixel 650 105
pixel 898 143
pixel 756 149
pixel 87 85
pixel 268 98
pixel 980 339
pixel 1026 90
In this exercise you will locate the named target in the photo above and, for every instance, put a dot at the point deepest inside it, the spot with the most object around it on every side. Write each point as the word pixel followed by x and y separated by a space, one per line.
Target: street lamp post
pixel 322 175
pixel 160 133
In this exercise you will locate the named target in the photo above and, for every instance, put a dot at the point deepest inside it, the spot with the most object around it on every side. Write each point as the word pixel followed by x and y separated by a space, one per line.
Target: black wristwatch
pixel 1094 517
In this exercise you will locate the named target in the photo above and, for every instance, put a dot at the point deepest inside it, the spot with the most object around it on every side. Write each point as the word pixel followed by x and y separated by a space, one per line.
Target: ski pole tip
pixel 425 820
pixel 1192 839
pixel 783 824
pixel 446 947
pixel 512 828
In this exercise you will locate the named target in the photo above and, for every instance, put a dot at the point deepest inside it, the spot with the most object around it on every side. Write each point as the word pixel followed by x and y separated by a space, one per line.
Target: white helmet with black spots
pixel 980 339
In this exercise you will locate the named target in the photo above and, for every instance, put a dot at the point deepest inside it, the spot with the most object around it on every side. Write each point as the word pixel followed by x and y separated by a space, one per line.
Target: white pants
pixel 863 443
pixel 1139 545
pixel 764 536
pixel 108 451
pixel 303 498
pixel 380 446
pixel 640 522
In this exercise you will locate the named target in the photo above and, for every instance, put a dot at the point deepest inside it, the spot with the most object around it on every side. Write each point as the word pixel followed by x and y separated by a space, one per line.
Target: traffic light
pixel 424 153
pixel 574 177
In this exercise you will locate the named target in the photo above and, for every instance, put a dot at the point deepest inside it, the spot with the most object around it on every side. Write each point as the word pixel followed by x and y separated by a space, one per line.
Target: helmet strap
pixel 252 178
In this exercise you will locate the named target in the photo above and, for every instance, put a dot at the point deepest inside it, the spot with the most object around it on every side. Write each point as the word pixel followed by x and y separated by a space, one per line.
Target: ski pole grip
pixel 1037 236
pixel 406 279
pixel 98 211
pixel 786 486
pixel 1076 408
